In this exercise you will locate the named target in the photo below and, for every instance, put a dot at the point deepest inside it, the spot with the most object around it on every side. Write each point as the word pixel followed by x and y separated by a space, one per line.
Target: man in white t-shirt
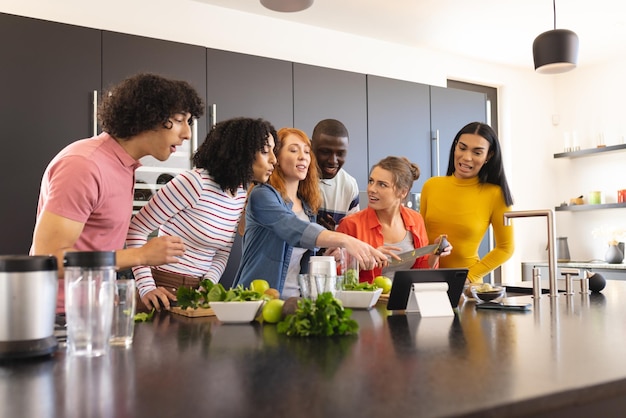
pixel 339 189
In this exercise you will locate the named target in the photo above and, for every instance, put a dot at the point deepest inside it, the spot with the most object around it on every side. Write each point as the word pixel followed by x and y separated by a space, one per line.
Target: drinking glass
pixel 123 324
pixel 308 287
pixel 89 291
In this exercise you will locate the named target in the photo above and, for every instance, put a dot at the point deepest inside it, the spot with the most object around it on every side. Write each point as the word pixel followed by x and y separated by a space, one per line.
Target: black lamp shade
pixel 287 5
pixel 555 51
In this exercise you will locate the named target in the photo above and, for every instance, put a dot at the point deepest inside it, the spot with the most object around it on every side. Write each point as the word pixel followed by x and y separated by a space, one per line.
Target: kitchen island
pixel 566 357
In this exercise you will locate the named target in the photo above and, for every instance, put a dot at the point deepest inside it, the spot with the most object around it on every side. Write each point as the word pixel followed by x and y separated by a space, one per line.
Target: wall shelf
pixel 578 208
pixel 590 151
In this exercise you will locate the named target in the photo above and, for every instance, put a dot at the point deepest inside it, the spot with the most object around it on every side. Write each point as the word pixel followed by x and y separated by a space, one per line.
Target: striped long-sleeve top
pixel 193 207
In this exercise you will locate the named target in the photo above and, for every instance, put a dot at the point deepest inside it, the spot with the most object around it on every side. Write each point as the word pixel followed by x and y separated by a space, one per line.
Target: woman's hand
pixel 433 259
pixel 367 256
pixel 390 251
pixel 447 249
pixel 334 252
pixel 157 298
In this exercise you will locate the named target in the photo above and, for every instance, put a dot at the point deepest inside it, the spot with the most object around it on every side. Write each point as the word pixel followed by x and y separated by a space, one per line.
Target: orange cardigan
pixel 365 226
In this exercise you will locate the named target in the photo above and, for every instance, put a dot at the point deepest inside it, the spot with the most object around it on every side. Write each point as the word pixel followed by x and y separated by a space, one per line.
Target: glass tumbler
pixel 89 291
pixel 124 306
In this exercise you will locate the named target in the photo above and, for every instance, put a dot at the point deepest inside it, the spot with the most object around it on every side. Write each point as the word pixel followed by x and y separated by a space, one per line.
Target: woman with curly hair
pixel 202 206
pixel 86 195
pixel 280 221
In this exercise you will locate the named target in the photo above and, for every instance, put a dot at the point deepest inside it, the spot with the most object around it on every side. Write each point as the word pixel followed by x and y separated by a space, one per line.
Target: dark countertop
pixel 566 357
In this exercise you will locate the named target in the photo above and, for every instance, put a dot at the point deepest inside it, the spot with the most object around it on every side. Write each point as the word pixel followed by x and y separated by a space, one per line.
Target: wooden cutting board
pixel 192 313
pixel 383 299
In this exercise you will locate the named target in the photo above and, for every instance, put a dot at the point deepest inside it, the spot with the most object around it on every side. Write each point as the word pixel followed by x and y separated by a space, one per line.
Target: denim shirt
pixel 272 230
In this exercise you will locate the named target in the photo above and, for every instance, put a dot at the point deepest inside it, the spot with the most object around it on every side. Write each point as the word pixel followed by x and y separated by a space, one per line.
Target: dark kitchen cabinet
pixel 398 122
pixel 450 110
pixel 323 93
pixel 248 86
pixel 48 76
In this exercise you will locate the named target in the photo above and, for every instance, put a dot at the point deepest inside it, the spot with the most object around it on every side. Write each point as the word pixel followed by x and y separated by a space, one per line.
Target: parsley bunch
pixel 323 317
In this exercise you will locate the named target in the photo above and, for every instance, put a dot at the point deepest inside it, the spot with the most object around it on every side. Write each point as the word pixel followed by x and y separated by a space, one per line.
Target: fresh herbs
pixel 323 317
pixel 144 316
pixel 351 282
pixel 208 292
pixel 350 279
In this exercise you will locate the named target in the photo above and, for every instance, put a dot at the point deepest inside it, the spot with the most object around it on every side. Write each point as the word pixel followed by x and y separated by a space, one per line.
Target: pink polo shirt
pixel 91 181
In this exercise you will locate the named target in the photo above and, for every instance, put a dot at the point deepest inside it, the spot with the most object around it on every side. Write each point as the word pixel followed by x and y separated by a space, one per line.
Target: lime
pixel 259 285
pixel 384 283
pixel 273 310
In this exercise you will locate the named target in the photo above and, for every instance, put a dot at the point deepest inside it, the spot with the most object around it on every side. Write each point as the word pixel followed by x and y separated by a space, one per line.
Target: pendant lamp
pixel 555 51
pixel 287 5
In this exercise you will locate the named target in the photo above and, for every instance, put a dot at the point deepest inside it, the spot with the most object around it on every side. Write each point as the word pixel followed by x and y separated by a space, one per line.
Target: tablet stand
pixel 430 299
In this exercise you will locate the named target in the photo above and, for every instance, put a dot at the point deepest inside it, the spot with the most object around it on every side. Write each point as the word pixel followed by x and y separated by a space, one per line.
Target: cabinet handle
pixel 435 169
pixel 194 136
pixel 213 114
pixel 95 112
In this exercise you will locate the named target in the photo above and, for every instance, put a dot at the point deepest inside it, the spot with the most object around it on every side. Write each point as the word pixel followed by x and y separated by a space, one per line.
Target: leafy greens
pixel 323 317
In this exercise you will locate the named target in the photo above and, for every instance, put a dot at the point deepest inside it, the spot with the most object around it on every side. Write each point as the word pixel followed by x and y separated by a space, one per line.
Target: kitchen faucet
pixel 549 213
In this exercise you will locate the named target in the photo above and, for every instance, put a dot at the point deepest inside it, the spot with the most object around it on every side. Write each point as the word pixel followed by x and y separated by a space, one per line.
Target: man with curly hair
pixel 86 196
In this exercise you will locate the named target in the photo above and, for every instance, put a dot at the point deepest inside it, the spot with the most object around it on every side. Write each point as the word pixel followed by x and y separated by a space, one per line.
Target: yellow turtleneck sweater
pixel 463 209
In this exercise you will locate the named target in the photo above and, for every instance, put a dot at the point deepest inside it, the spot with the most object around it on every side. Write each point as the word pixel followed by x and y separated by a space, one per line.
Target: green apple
pixel 384 283
pixel 259 285
pixel 273 310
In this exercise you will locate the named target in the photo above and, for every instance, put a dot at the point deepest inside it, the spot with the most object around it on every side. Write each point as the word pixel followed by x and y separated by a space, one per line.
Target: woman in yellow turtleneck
pixel 473 195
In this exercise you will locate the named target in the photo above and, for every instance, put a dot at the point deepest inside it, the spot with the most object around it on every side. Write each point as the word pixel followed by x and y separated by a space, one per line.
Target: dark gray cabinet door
pixel 240 85
pixel 48 74
pixel 248 86
pixel 398 120
pixel 323 93
pixel 450 110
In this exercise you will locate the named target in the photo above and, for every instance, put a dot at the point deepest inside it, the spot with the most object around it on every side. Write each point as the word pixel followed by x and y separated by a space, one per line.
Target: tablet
pixel 403 283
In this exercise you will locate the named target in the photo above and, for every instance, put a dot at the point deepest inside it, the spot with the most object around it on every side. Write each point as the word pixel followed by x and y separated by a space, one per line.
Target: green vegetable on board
pixel 208 292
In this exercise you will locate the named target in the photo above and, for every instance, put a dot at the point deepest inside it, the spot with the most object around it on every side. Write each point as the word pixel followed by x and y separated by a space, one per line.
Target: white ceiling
pixel 499 31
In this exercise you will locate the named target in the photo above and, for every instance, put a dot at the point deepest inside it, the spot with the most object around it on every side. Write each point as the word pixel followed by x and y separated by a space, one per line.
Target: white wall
pixel 527 100
pixel 591 101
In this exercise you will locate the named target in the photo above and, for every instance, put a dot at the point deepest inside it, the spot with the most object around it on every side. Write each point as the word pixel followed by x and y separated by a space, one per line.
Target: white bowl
pixel 359 299
pixel 236 312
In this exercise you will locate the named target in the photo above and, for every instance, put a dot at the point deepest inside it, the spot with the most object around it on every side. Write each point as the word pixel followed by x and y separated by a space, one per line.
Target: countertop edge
pixel 597 400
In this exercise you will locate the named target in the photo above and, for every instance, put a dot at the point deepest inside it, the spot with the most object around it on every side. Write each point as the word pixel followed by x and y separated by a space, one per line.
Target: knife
pixel 418 252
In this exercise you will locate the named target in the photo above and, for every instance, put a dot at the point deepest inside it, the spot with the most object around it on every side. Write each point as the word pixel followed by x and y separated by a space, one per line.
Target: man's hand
pixel 327 222
pixel 162 250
